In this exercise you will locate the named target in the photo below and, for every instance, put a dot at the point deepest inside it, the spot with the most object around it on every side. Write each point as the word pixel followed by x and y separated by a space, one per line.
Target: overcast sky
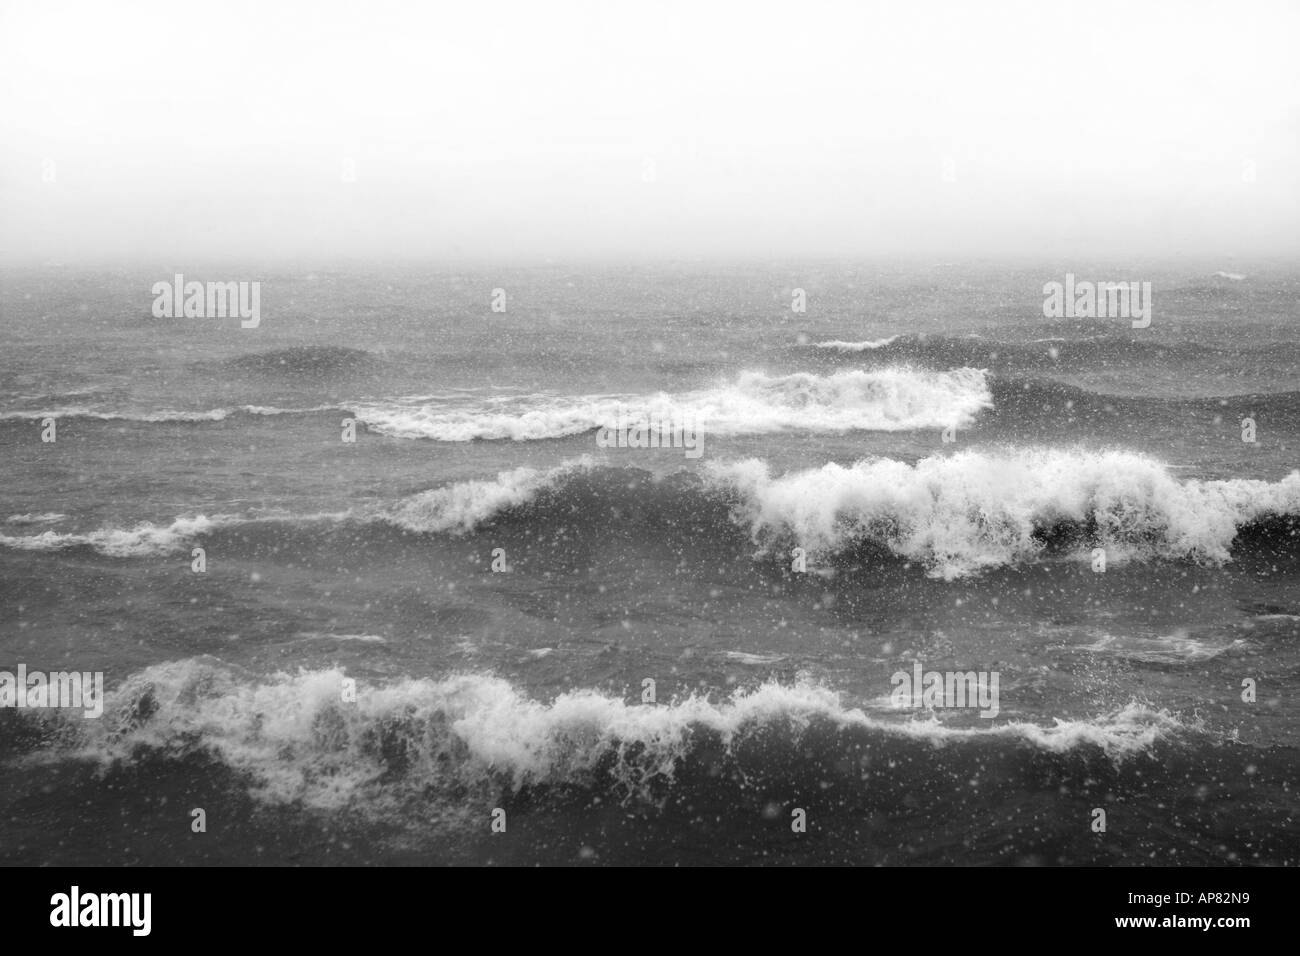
pixel 554 129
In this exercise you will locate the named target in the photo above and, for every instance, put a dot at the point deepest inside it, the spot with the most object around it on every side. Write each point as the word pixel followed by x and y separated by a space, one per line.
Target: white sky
pixel 528 129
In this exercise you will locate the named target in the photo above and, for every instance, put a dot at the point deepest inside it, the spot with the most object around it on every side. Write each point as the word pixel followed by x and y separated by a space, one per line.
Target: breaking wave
pixel 894 399
pixel 955 515
pixel 296 740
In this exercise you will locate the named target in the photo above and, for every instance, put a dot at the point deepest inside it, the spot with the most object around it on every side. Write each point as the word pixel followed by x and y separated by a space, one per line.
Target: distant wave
pixel 893 399
pixel 305 360
pixel 212 415
pixel 856 346
pixel 147 539
pixel 889 399
pixel 1175 648
pixel 45 517
pixel 1234 276
pixel 1022 402
pixel 1054 345
pixel 359 638
pixel 163 415
pixel 753 403
pixel 143 539
pixel 479 736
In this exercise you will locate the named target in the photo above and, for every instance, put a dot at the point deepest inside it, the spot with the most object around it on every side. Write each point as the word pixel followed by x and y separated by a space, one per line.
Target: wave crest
pixel 461 507
pixel 892 399
pixel 974 510
pixel 297 740
pixel 956 515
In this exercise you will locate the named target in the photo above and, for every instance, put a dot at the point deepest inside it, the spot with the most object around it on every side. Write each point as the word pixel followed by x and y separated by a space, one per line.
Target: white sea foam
pixel 459 508
pixel 842 346
pixel 974 510
pixel 756 660
pixel 148 539
pixel 142 540
pixel 753 403
pixel 272 410
pixel 160 415
pixel 358 638
pixel 297 741
pixel 1178 647
pixel 45 517
pixel 212 415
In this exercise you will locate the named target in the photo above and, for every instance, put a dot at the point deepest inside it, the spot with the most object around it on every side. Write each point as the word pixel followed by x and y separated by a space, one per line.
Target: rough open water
pixel 479 691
